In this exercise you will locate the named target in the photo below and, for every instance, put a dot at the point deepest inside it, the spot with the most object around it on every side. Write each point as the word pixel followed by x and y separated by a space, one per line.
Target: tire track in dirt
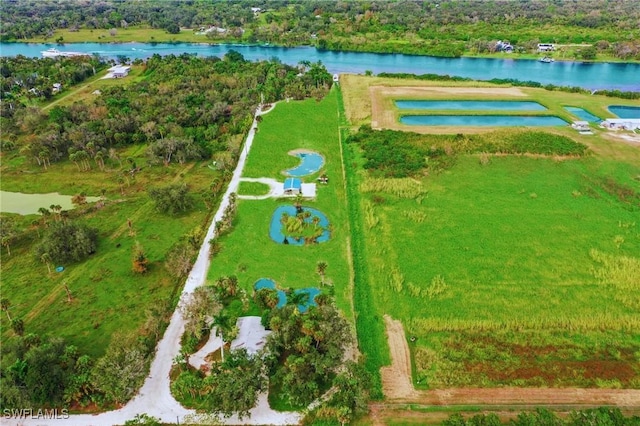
pixel 396 378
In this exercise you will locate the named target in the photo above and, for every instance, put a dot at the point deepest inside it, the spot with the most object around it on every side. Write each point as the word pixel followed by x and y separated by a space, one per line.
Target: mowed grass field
pixel 122 35
pixel 511 270
pixel 248 252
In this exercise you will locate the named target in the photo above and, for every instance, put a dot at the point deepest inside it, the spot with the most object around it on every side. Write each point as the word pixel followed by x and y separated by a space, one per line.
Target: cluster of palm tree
pixel 303 225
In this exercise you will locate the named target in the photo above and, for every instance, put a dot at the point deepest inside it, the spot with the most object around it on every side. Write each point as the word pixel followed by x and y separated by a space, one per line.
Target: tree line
pixel 440 28
pixel 186 108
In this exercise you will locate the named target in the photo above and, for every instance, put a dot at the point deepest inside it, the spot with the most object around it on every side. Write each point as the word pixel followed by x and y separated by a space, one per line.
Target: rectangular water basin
pixel 472 105
pixel 583 115
pixel 481 120
pixel 623 111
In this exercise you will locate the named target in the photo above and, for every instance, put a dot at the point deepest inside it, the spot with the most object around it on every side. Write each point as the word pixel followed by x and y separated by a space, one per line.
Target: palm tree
pixel 18 326
pixel 5 304
pixel 321 269
pixel 222 323
pixel 297 299
pixel 46 259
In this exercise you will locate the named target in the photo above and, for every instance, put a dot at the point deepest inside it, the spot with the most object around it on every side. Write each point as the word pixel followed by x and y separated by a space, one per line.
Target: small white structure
pixel 336 78
pixel 546 47
pixel 256 10
pixel 621 123
pixel 581 126
pixel 57 87
pixel 119 71
pixel 292 186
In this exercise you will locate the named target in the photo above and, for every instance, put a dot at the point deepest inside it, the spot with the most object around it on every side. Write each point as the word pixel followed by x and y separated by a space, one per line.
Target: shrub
pixel 172 199
pixel 68 242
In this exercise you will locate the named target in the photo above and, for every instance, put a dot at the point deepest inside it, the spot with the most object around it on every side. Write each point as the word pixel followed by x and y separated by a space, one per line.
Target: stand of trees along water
pixel 182 108
pixel 437 27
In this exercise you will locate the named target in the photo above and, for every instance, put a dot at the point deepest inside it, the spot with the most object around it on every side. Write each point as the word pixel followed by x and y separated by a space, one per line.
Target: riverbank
pixel 567 53
pixel 591 76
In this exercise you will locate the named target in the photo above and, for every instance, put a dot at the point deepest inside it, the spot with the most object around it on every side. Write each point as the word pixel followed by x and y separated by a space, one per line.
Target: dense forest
pixel 180 109
pixel 443 28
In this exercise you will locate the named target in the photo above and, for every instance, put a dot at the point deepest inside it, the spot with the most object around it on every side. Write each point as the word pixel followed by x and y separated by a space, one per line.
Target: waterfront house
pixel 119 71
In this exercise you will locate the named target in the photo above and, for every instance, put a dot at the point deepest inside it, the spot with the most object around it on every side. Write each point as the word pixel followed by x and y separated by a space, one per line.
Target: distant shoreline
pixel 512 56
pixel 155 35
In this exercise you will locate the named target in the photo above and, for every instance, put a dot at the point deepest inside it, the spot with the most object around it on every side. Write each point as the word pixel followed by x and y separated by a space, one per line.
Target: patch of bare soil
pixel 413 90
pixel 396 379
pixel 398 387
pixel 632 139
pixel 383 114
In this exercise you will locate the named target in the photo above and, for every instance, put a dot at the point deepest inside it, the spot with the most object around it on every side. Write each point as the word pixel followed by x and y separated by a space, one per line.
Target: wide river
pixel 622 76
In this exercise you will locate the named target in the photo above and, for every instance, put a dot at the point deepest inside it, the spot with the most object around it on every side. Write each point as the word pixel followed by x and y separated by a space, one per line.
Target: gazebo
pixel 292 186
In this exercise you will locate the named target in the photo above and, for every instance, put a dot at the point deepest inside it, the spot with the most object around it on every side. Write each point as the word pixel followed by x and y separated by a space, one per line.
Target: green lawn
pixel 248 251
pixel 253 188
pixel 122 35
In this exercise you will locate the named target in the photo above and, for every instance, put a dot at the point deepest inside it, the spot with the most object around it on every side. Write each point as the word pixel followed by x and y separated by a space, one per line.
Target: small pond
pixel 275 227
pixel 312 292
pixel 310 162
pixel 472 105
pixel 623 111
pixel 583 115
pixel 24 204
pixel 481 120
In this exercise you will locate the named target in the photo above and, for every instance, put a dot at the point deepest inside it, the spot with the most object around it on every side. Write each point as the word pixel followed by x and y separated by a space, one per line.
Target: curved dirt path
pixel 398 387
pixel 154 398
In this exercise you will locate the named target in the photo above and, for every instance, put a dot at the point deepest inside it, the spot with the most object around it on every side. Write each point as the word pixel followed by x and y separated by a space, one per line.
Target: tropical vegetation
pixel 586 30
pixel 143 145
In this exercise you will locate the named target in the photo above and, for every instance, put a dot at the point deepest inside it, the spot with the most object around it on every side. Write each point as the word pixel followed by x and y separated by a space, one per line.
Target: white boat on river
pixel 55 53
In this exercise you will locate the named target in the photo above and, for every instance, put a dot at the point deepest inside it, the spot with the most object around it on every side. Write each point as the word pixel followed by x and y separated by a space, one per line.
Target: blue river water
pixel 622 76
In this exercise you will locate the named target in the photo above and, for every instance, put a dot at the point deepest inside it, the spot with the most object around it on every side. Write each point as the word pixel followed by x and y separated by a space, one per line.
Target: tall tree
pixel 234 384
pixel 120 372
pixel 7 232
pixel 68 242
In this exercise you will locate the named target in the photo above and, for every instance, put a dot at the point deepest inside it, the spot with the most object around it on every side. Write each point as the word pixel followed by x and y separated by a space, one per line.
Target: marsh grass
pixel 513 261
pixel 408 188
pixel 622 272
